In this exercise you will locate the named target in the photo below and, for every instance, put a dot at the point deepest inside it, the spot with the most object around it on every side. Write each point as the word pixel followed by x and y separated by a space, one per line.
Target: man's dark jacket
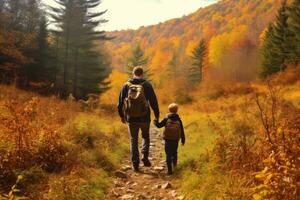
pixel 150 96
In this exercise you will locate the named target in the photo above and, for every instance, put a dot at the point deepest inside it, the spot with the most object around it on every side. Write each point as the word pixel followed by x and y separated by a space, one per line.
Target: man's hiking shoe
pixel 146 162
pixel 136 168
pixel 170 172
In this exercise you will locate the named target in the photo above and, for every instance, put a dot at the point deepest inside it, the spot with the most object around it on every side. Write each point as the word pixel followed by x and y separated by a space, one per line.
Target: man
pixel 134 100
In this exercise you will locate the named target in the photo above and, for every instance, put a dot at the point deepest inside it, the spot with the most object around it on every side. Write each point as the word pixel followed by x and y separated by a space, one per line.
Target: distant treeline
pixel 63 60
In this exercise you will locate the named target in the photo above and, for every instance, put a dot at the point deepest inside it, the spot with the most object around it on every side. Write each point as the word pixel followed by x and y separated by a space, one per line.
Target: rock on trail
pixel 151 183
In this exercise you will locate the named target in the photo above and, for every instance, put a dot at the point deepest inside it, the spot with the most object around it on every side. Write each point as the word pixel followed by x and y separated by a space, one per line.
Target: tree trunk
pixel 75 74
pixel 66 66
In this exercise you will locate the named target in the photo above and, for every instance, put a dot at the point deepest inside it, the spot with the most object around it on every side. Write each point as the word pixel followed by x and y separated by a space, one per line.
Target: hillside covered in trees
pixel 231 29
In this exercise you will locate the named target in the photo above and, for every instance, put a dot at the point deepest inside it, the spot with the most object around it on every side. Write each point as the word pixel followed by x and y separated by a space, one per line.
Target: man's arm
pixel 153 100
pixel 122 96
pixel 160 124
pixel 182 133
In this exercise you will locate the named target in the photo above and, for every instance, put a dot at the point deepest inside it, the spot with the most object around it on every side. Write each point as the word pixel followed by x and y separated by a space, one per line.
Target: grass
pixel 292 94
pixel 193 169
pixel 200 175
pixel 96 143
pixel 93 145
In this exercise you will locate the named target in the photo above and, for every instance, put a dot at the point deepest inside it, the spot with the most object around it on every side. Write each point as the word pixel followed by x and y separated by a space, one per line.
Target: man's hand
pixel 123 120
pixel 155 122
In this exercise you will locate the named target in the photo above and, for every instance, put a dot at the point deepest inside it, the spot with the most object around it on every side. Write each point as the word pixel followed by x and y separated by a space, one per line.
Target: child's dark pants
pixel 171 147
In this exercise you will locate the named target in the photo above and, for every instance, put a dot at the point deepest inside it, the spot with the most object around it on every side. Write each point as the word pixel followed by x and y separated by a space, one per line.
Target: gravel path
pixel 151 183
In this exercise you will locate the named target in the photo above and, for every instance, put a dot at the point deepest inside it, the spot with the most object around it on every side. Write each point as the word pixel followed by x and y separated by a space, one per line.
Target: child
pixel 172 134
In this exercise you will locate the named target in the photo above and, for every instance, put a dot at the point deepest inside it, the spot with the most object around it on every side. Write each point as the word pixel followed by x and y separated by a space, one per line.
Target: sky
pixel 131 14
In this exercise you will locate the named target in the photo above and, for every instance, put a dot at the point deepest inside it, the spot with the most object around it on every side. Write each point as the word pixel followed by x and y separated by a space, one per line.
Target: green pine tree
pixel 84 67
pixel 275 49
pixel 63 17
pixel 42 72
pixel 138 59
pixel 198 56
pixel 268 54
pixel 89 62
pixel 294 37
pixel 280 36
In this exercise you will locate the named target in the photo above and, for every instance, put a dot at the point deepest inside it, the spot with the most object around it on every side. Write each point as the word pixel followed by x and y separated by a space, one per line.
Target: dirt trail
pixel 151 183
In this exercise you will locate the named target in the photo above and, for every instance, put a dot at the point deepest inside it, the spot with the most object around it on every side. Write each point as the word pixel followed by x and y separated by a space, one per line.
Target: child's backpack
pixel 136 104
pixel 172 130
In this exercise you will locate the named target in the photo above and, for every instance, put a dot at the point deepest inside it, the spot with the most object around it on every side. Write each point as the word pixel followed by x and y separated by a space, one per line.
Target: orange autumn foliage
pixel 224 25
pixel 117 80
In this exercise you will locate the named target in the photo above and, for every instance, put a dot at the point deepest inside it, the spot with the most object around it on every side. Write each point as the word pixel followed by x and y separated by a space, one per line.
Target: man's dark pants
pixel 171 147
pixel 134 128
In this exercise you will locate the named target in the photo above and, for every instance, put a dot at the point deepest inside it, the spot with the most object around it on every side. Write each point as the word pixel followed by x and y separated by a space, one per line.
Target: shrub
pixel 214 91
pixel 270 153
pixel 288 76
pixel 61 152
pixel 279 178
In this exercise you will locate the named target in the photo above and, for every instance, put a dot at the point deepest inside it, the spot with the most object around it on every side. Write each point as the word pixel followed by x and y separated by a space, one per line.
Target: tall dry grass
pixel 229 155
pixel 61 152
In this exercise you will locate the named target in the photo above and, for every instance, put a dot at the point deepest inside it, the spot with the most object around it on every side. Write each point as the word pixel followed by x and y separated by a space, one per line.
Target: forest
pixel 61 60
pixel 233 67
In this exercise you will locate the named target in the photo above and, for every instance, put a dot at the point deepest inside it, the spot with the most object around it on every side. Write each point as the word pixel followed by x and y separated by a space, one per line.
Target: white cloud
pixel 123 14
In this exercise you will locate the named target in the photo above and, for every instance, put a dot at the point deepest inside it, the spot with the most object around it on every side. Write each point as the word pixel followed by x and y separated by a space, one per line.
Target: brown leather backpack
pixel 136 104
pixel 172 130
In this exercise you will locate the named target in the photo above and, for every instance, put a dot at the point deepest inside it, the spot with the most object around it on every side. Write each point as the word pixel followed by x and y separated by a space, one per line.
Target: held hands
pixel 155 122
pixel 123 120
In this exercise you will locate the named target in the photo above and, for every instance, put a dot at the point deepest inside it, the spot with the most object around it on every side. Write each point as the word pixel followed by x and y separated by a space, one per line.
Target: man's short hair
pixel 138 71
pixel 173 108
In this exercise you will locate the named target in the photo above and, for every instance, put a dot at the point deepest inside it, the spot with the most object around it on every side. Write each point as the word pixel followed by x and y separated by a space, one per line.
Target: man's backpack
pixel 136 104
pixel 172 130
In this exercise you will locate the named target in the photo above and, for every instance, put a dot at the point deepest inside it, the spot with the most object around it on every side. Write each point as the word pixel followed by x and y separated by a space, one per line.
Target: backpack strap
pixel 170 120
pixel 128 83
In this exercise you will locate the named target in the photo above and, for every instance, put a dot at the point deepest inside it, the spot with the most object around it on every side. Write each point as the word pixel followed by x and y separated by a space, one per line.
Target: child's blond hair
pixel 173 108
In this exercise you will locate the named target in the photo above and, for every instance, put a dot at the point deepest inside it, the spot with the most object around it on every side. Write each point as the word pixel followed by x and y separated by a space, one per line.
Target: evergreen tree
pixel 38 52
pixel 44 74
pixel 294 37
pixel 89 65
pixel 280 33
pixel 54 57
pixel 84 69
pixel 138 59
pixel 62 18
pixel 198 56
pixel 268 54
pixel 275 48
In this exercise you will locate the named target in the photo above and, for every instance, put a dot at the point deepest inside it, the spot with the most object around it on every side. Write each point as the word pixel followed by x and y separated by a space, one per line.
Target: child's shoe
pixel 135 168
pixel 146 162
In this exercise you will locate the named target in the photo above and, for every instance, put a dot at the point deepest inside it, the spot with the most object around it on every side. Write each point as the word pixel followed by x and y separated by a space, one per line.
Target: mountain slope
pixel 236 20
